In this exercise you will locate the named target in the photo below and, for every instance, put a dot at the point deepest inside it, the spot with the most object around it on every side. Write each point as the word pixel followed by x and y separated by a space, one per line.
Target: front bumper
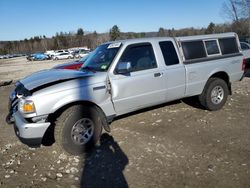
pixel 30 134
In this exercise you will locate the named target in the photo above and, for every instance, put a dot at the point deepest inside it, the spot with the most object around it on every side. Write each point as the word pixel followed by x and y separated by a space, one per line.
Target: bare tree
pixel 230 10
pixel 236 9
pixel 244 6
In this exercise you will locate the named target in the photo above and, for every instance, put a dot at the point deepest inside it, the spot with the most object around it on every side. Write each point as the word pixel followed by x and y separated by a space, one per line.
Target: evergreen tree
pixel 114 33
pixel 80 32
pixel 210 28
pixel 161 32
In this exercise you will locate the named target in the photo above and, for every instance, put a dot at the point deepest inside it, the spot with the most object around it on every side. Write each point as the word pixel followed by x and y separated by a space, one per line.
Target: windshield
pixel 101 58
pixel 83 59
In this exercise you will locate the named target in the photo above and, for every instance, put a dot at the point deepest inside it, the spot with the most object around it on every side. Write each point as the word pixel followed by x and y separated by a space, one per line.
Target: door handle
pixel 157 74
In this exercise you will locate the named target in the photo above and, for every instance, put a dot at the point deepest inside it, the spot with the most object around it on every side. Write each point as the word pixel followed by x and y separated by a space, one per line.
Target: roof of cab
pixel 140 40
pixel 204 37
pixel 184 38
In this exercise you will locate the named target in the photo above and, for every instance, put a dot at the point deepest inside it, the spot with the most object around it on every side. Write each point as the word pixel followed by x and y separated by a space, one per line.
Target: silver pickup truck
pixel 120 77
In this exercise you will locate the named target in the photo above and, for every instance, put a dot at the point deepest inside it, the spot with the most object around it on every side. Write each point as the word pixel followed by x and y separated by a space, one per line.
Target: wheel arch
pixel 104 119
pixel 224 76
pixel 61 109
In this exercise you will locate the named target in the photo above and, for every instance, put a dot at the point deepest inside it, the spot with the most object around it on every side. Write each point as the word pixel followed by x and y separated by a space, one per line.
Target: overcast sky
pixel 21 19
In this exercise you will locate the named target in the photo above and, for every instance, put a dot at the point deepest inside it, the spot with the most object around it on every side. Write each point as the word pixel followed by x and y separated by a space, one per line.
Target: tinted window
pixel 193 50
pixel 212 47
pixel 169 53
pixel 140 56
pixel 228 46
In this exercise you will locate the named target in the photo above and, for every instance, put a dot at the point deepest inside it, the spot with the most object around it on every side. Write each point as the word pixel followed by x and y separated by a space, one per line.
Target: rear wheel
pixel 214 95
pixel 78 129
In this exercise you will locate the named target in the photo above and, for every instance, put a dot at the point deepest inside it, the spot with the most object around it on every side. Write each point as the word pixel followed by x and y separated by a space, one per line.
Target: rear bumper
pixel 30 134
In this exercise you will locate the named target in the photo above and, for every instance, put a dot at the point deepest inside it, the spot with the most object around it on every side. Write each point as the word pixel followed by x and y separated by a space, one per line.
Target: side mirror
pixel 123 68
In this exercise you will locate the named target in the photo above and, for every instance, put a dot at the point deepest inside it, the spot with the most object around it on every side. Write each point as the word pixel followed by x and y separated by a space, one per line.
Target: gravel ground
pixel 17 68
pixel 172 145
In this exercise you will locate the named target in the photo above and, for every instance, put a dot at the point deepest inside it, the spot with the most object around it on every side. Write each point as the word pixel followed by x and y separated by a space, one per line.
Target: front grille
pixel 20 90
pixel 13 105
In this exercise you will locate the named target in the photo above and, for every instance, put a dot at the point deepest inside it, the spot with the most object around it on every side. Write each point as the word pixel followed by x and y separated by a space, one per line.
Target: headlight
pixel 26 106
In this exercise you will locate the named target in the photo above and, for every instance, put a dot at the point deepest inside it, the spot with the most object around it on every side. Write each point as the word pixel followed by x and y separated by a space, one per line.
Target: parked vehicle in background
pixel 5 56
pixel 119 78
pixel 75 65
pixel 30 57
pixel 8 56
pixel 244 46
pixel 50 53
pixel 246 52
pixel 81 53
pixel 37 56
pixel 74 52
pixel 63 55
pixel 60 51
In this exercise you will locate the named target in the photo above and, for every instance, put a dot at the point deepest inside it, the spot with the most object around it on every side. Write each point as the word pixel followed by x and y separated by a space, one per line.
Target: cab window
pixel 169 53
pixel 141 57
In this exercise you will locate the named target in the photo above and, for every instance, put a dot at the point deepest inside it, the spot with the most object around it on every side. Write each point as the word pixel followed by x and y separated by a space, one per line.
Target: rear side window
pixel 193 50
pixel 169 53
pixel 141 57
pixel 228 46
pixel 212 47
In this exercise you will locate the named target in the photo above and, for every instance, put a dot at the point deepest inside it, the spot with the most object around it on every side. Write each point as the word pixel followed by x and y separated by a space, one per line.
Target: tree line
pixel 236 11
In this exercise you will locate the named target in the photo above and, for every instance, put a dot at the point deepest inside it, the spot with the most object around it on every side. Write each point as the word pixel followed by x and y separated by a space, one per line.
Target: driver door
pixel 143 86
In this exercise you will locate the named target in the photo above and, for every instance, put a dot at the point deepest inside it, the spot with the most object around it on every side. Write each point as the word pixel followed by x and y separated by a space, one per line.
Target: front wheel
pixel 214 95
pixel 78 129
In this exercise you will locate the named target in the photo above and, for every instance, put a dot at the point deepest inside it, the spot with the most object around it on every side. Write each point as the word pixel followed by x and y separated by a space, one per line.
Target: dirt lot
pixel 173 145
pixel 16 68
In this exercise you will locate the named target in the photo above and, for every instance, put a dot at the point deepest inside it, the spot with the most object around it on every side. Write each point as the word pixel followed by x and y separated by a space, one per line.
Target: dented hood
pixel 51 76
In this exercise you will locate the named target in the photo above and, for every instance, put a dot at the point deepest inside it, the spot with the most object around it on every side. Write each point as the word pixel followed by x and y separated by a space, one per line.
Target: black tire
pixel 69 119
pixel 218 86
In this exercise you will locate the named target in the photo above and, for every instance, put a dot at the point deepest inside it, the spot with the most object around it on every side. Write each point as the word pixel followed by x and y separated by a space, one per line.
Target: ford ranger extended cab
pixel 120 77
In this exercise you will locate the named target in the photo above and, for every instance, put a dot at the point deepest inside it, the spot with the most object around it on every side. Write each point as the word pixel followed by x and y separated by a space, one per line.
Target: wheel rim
pixel 217 95
pixel 82 131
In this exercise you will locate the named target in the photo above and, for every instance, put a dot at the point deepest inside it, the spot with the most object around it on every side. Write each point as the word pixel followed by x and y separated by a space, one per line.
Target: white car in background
pixel 50 53
pixel 82 53
pixel 56 52
pixel 63 55
pixel 246 52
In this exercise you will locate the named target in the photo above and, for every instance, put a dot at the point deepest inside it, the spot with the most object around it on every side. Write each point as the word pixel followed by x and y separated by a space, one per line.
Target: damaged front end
pixel 14 97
